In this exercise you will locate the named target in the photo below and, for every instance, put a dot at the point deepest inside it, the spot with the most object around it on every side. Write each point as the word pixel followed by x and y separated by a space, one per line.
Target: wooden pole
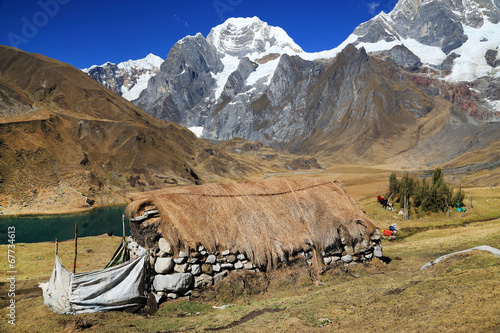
pixel 123 225
pixel 76 248
pixel 447 209
pixel 405 207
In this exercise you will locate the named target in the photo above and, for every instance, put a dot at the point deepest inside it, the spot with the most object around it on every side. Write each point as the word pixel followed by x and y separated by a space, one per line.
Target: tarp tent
pixel 113 288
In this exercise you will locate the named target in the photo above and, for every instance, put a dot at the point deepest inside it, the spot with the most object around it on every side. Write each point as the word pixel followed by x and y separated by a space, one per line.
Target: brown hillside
pixel 59 129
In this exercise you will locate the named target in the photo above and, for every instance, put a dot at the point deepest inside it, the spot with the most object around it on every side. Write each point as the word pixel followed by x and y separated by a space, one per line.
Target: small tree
pixel 393 184
pixel 443 197
pixel 458 197
pixel 437 177
pixel 424 194
pixel 406 189
pixel 417 195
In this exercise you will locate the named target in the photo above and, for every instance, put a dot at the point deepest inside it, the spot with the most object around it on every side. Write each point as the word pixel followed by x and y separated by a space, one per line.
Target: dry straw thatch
pixel 267 220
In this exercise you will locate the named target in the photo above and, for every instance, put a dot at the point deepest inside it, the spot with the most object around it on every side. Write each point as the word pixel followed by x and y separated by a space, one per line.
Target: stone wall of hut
pixel 177 276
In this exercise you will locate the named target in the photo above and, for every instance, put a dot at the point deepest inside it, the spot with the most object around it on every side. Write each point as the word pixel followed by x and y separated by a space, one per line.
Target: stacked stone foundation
pixel 178 275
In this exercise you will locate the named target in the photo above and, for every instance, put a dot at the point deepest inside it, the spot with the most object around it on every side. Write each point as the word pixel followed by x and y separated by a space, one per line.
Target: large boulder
pixel 173 283
pixel 164 265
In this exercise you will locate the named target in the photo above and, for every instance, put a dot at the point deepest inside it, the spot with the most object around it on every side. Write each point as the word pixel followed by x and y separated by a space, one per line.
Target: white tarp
pixel 108 289
pixel 490 249
pixel 56 290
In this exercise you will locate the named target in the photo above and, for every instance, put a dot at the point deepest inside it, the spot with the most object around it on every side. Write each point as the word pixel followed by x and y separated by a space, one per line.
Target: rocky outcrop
pixel 236 81
pixel 184 80
pixel 492 58
pixel 432 23
pixel 109 75
pixel 403 57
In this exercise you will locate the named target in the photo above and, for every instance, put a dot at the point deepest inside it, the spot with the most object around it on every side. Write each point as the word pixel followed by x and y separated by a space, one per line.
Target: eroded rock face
pixel 431 23
pixel 109 75
pixel 236 81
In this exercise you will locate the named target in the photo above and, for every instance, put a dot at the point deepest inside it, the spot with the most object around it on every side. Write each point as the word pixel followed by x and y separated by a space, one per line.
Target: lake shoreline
pixel 55 212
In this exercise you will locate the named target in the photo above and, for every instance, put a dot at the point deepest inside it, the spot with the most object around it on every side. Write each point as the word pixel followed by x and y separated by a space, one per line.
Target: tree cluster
pixel 434 195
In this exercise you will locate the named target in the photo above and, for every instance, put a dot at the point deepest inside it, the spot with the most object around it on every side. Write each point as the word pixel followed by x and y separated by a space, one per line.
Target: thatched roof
pixel 266 220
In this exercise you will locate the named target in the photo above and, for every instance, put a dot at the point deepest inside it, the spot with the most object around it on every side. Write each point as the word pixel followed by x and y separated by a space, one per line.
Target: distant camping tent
pixel 113 288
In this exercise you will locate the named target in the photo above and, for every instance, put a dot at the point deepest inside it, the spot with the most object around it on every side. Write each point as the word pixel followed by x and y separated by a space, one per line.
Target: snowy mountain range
pixel 249 79
pixel 128 78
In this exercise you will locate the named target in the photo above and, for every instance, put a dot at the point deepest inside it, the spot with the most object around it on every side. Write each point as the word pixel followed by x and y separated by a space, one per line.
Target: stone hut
pixel 199 234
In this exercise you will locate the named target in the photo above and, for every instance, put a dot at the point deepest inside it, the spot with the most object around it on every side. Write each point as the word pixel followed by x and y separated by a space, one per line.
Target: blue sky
pixel 84 33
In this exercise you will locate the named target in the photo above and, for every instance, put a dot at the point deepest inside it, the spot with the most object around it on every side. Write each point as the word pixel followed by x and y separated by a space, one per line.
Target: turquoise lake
pixel 46 228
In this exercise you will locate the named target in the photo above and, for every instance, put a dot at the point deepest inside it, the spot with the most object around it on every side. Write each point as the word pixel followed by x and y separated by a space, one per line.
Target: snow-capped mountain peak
pixel 150 62
pixel 128 78
pixel 240 37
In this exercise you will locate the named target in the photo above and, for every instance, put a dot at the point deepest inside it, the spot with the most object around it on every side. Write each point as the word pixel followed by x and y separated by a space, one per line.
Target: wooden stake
pixel 123 225
pixel 447 208
pixel 405 207
pixel 76 248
